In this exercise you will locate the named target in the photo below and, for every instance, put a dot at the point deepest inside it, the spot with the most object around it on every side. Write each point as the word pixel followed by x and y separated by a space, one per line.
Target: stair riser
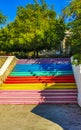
pixel 45 64
pixel 41 77
pixel 24 82
pixel 37 95
pixel 57 60
pixel 40 68
pixel 36 87
pixel 36 102
pixel 51 74
pixel 40 73
pixel 38 99
pixel 39 91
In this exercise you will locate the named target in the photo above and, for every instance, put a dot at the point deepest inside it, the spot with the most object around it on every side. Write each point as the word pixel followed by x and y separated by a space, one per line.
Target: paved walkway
pixel 67 116
pixel 41 117
pixel 21 117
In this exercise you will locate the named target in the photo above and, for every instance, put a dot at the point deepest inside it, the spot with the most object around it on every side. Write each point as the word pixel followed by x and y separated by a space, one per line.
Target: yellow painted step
pixel 38 86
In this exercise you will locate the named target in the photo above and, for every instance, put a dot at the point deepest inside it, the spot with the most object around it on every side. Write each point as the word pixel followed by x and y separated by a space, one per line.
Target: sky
pixel 9 7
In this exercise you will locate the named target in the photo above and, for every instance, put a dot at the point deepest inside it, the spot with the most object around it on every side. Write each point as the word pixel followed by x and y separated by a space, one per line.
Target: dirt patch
pixel 2 60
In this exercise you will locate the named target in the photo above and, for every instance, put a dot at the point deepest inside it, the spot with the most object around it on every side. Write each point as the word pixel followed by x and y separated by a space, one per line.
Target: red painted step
pixel 41 77
pixel 39 81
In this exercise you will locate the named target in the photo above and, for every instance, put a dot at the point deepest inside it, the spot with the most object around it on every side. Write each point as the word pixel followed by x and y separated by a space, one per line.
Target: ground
pixel 40 117
pixel 2 60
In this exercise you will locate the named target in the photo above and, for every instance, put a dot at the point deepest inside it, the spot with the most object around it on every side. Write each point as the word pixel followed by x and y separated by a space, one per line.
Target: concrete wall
pixel 77 75
pixel 7 67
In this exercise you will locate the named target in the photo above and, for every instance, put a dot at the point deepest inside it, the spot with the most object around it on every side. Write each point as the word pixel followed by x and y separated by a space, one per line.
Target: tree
pixel 30 24
pixel 73 11
pixel 2 18
pixel 35 27
pixel 2 37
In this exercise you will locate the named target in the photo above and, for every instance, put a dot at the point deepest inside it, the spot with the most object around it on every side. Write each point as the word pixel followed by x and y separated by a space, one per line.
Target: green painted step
pixel 44 73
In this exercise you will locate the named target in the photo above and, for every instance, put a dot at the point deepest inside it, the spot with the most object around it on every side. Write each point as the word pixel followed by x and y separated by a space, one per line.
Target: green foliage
pixel 35 27
pixel 73 11
pixel 2 18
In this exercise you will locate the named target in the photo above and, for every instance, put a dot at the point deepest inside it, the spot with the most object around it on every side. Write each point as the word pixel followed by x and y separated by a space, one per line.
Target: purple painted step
pixel 43 60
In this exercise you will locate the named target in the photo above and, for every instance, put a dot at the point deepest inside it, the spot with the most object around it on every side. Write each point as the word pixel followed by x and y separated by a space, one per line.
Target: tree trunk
pixel 37 53
pixel 34 53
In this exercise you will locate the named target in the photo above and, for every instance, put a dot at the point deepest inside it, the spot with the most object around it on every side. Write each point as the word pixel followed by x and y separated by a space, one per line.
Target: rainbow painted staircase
pixel 35 81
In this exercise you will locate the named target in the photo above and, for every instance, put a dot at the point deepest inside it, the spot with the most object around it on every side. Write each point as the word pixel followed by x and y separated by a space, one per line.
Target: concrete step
pixel 40 79
pixel 47 72
pixel 43 60
pixel 38 93
pixel 37 102
pixel 37 97
pixel 26 73
pixel 38 86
